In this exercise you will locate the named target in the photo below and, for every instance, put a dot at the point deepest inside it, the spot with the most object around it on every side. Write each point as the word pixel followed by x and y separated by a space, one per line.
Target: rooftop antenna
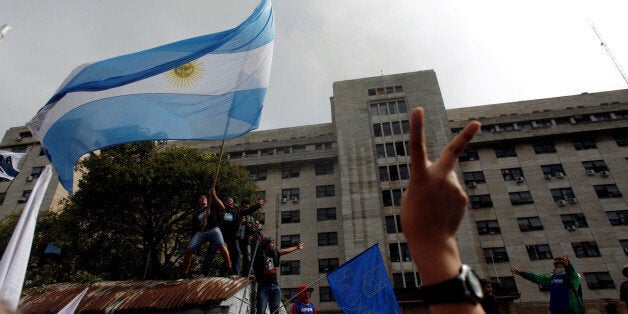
pixel 608 51
pixel 4 31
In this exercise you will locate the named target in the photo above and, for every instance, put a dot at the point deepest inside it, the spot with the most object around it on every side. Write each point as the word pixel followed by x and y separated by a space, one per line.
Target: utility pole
pixel 608 51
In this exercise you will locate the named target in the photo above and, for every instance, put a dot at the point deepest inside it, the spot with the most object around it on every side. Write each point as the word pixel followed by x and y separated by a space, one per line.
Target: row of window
pixel 294 216
pixel 542 251
pixel 542 147
pixel 295 193
pixel 278 151
pixel 324 294
pixel 325 265
pixel 389 107
pixel 261 174
pixel 546 123
pixel 561 196
pixel 324 239
pixel 392 150
pixel 391 128
pixel 385 90
pixel 571 222
pixel 591 167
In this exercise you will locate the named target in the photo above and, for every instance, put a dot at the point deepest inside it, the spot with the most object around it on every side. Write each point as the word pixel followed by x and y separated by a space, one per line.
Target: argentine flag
pixel 210 87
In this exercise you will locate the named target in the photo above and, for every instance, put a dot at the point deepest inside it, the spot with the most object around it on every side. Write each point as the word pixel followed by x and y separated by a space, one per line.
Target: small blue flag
pixel 210 87
pixel 361 285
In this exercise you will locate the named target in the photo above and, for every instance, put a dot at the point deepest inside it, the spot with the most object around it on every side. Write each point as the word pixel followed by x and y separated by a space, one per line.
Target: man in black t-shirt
pixel 231 225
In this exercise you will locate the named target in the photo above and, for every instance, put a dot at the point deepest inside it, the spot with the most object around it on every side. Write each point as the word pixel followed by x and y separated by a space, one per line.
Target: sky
pixel 483 52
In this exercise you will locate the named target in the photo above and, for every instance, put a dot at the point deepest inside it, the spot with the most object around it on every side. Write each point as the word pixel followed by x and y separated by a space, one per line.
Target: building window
pixel 377 130
pixel 324 214
pixel 506 126
pixel 602 116
pixel 621 140
pixel 526 125
pixel 404 172
pixel 298 149
pixel 539 252
pixel 396 127
pixel 18 149
pixel 390 198
pixel 386 129
pixel 618 217
pixel 607 191
pixel 474 176
pixel 380 151
pixel 325 295
pixel 543 147
pixel 258 174
pixel 383 174
pixel 584 143
pixel 291 216
pixel 521 198
pixel 25 195
pixel 512 174
pixel 554 170
pixel 323 169
pixel 624 245
pixel 25 134
pixel 289 293
pixel 572 221
pixel 235 155
pixel 400 148
pixel 529 224
pixel 581 118
pixel 585 249
pixel 42 152
pixel 546 123
pixel 268 152
pixel 291 193
pixel 488 128
pixel 599 280
pixel 325 191
pixel 562 120
pixel 399 253
pixel 290 172
pixel 480 201
pixel 505 151
pixel 405 126
pixel 562 194
pixel 595 165
pixel 326 265
pixel 495 255
pixel 290 267
pixel 327 238
pixel 504 286
pixel 469 154
pixel 393 224
pixel 290 240
pixel 3 195
pixel 488 227
pixel 390 150
pixel 322 146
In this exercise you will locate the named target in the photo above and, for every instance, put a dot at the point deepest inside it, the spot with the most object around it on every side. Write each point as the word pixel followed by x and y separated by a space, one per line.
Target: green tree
pixel 132 214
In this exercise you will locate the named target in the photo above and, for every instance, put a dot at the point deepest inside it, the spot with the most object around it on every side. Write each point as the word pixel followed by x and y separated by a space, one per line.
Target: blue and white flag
pixel 210 87
pixel 9 162
pixel 361 285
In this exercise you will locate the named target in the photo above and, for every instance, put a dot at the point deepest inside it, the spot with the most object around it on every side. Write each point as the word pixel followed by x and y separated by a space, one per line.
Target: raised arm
pixel 212 191
pixel 299 246
pixel 432 207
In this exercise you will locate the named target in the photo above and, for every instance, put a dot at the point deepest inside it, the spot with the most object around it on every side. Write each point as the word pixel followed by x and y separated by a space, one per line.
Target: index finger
pixel 450 155
pixel 418 149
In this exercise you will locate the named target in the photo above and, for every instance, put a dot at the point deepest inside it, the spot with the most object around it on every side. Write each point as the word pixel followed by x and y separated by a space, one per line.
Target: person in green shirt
pixel 564 285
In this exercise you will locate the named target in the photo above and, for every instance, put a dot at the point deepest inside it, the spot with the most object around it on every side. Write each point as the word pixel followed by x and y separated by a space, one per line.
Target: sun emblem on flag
pixel 186 75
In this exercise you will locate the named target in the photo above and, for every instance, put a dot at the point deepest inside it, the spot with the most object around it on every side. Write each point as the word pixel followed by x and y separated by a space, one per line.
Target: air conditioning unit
pixel 571 228
pixel 295 199
pixel 561 202
pixel 29 178
pixel 578 116
pixel 559 174
pixel 472 184
pixel 21 199
pixel 590 172
pixel 283 199
pixel 605 173
pixel 548 176
pixel 519 179
pixel 615 193
pixel 573 200
pixel 18 139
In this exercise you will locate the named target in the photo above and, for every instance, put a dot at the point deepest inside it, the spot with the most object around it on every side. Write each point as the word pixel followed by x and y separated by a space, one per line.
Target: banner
pixel 9 163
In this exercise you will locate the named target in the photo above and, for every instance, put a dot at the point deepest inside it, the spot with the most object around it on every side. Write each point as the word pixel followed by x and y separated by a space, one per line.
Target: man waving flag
pixel 210 87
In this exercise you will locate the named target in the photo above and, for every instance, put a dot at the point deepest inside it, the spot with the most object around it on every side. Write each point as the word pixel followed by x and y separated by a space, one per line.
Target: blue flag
pixel 210 87
pixel 9 162
pixel 361 285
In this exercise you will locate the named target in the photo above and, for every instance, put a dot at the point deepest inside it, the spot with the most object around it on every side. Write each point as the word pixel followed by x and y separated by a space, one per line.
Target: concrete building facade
pixel 544 177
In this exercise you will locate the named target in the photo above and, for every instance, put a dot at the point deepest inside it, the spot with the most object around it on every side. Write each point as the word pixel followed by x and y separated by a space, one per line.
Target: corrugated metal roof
pixel 132 296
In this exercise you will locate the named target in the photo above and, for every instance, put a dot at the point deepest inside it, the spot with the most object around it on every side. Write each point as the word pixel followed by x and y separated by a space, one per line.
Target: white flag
pixel 71 307
pixel 9 162
pixel 15 257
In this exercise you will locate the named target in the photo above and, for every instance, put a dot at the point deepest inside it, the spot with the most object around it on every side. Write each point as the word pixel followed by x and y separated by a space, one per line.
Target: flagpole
pixel 209 201
pixel 308 286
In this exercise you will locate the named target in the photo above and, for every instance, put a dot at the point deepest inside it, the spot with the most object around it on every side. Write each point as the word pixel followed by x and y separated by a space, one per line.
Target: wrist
pixel 437 261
